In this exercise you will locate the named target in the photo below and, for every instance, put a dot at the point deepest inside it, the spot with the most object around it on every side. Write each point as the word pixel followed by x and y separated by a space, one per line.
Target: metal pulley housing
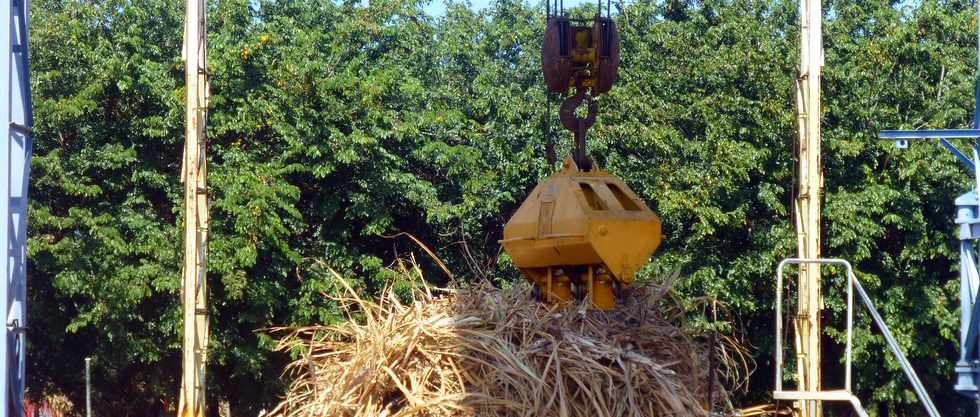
pixel 576 54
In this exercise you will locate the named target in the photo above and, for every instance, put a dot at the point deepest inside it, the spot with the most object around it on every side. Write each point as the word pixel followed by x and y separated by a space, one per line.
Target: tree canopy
pixel 335 126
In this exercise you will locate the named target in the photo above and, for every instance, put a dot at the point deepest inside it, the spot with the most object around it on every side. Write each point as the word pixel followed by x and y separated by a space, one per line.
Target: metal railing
pixel 852 284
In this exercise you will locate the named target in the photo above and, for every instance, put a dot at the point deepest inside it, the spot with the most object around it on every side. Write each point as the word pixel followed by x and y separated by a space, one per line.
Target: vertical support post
pixel 194 176
pixel 970 371
pixel 16 121
pixel 967 367
pixel 807 204
pixel 88 387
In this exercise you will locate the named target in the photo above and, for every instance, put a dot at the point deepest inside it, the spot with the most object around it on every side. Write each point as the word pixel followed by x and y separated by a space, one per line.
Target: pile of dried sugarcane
pixel 484 351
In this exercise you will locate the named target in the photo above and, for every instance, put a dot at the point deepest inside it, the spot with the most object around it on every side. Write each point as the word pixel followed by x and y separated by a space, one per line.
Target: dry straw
pixel 484 351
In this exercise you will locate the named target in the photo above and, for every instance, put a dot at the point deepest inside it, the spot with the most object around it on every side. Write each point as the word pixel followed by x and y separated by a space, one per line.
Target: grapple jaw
pixel 581 233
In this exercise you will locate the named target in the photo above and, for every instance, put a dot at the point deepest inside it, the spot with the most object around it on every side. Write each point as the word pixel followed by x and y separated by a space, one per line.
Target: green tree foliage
pixel 337 125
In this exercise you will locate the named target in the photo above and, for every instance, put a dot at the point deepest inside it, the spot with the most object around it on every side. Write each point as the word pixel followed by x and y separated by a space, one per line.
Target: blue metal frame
pixel 16 121
pixel 968 219
pixel 931 134
pixel 968 365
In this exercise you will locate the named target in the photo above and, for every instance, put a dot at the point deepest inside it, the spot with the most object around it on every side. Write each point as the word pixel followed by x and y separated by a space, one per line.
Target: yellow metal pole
pixel 807 204
pixel 194 176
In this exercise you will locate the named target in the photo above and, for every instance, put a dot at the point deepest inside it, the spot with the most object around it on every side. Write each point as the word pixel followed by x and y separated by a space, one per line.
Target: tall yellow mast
pixel 194 175
pixel 807 204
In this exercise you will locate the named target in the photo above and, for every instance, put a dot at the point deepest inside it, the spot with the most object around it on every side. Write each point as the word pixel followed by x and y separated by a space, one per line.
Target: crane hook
pixel 578 125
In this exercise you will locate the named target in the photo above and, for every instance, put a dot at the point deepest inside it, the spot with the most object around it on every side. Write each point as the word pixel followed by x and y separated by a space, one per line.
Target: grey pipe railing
pixel 889 338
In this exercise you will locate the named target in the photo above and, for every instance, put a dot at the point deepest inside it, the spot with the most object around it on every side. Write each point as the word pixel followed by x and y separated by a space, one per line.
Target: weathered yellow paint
pixel 601 292
pixel 807 204
pixel 585 227
pixel 194 174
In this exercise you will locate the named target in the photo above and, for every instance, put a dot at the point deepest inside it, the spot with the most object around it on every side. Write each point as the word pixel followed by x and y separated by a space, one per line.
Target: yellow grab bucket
pixel 584 228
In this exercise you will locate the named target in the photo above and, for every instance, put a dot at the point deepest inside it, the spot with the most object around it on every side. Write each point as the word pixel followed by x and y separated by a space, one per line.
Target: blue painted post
pixel 16 121
pixel 968 219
